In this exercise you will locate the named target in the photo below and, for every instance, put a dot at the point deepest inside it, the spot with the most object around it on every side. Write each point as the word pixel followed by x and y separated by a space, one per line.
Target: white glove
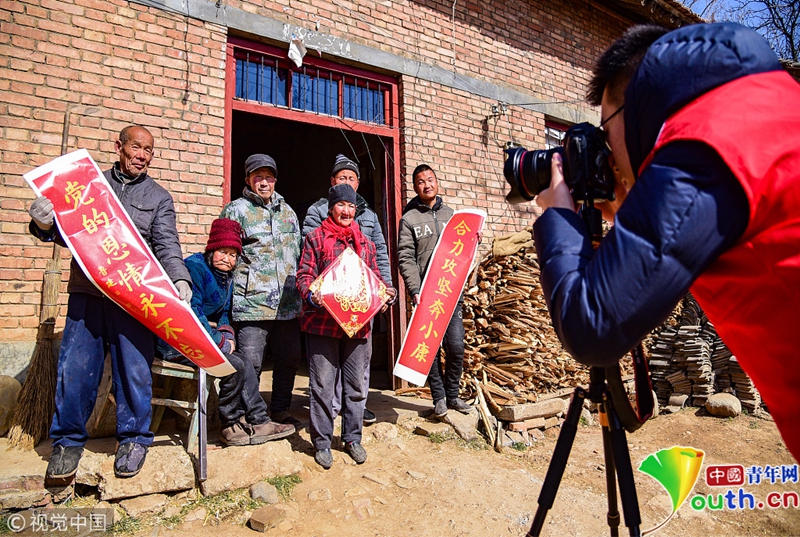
pixel 184 291
pixel 42 213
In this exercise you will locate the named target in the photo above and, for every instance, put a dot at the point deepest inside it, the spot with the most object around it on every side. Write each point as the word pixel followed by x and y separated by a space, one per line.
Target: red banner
pixel 447 273
pixel 351 292
pixel 108 247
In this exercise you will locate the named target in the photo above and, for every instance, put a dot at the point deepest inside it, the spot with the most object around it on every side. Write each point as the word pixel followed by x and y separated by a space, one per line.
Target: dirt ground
pixel 411 485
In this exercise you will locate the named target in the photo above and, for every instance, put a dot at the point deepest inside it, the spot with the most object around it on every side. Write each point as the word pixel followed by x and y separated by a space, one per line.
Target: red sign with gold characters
pixel 350 291
pixel 113 255
pixel 447 273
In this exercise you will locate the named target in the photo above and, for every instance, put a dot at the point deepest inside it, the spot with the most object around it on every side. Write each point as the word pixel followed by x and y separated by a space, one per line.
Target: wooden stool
pixel 195 410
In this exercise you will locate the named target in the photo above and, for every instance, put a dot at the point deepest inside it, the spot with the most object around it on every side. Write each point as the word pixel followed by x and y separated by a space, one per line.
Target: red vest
pixel 752 292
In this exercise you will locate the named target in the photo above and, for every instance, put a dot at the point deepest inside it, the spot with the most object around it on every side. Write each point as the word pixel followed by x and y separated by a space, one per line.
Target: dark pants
pixel 445 384
pixel 95 325
pixel 328 356
pixel 239 393
pixel 337 395
pixel 283 338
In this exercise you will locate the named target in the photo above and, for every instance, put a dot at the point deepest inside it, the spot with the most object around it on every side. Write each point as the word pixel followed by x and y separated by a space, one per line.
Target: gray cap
pixel 257 161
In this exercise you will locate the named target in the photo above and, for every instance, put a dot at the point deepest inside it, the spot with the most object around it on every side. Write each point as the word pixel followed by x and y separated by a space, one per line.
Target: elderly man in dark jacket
pixel 704 128
pixel 345 171
pixel 96 324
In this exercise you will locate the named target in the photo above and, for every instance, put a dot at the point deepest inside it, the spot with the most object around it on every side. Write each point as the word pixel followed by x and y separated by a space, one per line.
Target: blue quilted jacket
pixel 685 209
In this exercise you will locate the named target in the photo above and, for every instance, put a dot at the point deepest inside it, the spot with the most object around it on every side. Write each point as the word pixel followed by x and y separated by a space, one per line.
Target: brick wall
pixel 120 64
pixel 135 64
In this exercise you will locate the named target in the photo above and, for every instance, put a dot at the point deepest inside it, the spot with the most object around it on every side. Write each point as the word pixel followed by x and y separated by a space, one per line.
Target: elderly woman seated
pixel 242 411
pixel 329 350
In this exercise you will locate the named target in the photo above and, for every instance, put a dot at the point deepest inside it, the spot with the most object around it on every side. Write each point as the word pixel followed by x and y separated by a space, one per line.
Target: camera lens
pixel 528 172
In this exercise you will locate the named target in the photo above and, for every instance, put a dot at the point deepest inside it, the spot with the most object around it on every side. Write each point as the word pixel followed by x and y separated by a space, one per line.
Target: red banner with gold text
pixel 447 273
pixel 108 247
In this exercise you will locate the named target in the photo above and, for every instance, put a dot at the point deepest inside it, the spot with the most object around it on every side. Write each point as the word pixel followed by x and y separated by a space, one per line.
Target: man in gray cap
pixel 345 171
pixel 266 305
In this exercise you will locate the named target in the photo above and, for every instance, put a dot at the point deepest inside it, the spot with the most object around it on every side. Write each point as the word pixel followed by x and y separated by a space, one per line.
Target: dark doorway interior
pixel 304 154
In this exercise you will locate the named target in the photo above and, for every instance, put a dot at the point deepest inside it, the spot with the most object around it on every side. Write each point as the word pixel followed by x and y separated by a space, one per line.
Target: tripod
pixel 615 450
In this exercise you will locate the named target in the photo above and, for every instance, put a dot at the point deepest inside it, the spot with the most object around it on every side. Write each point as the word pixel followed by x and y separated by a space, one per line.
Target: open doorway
pixel 304 154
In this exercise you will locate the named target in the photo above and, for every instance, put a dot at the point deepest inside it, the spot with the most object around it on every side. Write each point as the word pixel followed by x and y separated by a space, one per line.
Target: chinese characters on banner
pixel 350 291
pixel 447 273
pixel 113 255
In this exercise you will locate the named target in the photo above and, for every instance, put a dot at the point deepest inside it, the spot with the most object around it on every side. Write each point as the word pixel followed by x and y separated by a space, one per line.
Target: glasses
pixel 602 131
pixel 606 120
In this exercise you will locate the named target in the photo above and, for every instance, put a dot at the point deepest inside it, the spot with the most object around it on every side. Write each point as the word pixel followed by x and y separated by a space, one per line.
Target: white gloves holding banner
pixel 42 213
pixel 184 291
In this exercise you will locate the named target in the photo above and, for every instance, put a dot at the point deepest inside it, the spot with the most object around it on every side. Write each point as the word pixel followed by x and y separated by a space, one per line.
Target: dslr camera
pixel 587 173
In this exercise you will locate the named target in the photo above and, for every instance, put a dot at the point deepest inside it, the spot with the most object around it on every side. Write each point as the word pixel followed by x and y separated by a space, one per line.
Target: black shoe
pixel 369 417
pixel 461 406
pixel 63 462
pixel 356 451
pixel 129 459
pixel 287 419
pixel 440 408
pixel 324 458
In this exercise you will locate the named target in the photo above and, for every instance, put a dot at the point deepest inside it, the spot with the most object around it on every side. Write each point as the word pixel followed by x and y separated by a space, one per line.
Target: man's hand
pixel 42 213
pixel 392 292
pixel 184 290
pixel 228 345
pixel 557 194
pixel 415 299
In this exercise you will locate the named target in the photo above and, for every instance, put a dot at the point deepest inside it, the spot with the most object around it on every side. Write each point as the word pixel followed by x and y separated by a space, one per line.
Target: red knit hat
pixel 225 233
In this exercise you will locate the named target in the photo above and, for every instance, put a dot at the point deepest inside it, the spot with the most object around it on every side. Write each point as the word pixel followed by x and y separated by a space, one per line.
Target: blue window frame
pixel 259 81
pixel 364 103
pixel 268 79
pixel 313 93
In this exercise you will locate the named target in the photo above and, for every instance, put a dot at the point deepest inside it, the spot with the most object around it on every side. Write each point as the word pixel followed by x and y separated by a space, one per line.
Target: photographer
pixel 704 129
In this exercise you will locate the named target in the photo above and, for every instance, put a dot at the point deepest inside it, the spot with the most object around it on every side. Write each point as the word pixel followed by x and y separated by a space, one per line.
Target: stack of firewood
pixel 510 345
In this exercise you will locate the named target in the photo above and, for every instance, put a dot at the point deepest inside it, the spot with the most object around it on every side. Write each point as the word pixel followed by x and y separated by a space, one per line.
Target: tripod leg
pixel 624 470
pixel 612 517
pixel 558 462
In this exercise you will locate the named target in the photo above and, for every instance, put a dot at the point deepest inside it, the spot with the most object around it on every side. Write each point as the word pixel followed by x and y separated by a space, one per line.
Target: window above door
pixel 265 76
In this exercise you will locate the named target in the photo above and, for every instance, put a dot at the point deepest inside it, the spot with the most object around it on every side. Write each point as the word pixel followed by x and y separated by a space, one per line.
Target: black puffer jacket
pixel 151 208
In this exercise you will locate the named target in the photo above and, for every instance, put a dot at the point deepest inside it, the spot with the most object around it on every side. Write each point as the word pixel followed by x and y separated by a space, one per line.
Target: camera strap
pixel 630 417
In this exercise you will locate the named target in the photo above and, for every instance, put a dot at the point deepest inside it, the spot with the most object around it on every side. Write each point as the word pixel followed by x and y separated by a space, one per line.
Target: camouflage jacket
pixel 264 282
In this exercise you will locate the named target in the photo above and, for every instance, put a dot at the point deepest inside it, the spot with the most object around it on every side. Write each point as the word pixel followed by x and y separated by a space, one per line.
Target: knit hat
pixel 225 233
pixel 341 192
pixel 344 163
pixel 257 161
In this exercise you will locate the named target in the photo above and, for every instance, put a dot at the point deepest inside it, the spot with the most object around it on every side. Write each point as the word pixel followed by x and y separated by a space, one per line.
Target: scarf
pixel 334 233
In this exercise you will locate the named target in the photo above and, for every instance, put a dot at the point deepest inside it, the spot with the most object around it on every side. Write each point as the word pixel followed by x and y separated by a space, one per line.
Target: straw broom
pixel 36 401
